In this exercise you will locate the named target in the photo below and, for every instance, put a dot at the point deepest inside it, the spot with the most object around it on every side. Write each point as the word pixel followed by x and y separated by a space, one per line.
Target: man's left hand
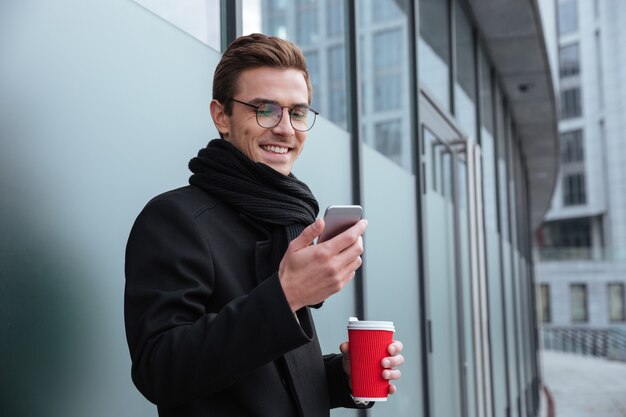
pixel 388 363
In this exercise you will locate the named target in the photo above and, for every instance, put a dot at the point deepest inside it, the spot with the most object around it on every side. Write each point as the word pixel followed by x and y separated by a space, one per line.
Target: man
pixel 220 274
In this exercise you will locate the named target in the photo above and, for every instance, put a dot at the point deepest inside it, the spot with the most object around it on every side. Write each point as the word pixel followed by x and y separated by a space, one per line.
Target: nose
pixel 284 127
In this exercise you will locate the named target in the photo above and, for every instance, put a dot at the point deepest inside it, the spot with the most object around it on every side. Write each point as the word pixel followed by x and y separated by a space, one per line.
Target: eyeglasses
pixel 269 115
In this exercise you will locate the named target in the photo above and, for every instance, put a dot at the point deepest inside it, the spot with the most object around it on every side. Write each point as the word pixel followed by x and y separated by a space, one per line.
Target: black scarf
pixel 283 204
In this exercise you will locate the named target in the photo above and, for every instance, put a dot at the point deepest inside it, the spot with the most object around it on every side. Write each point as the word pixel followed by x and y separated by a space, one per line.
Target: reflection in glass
pixel 487 144
pixel 307 24
pixel 387 70
pixel 388 140
pixel 502 131
pixel 434 49
pixel 313 65
pixel 337 85
pixel 318 28
pixel 383 69
pixel 199 18
pixel 334 21
pixel 387 10
pixel 465 85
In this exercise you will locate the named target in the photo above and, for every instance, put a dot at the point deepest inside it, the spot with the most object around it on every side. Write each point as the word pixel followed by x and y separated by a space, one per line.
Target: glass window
pixel 387 158
pixel 465 86
pixel 545 303
pixel 569 60
pixel 568 16
pixel 599 69
pixel 387 10
pixel 199 18
pixel 318 28
pixel 307 24
pixel 578 302
pixel 313 65
pixel 616 302
pixel 487 144
pixel 572 146
pixel 486 93
pixel 334 18
pixel 566 233
pixel 384 94
pixel 434 49
pixel 388 140
pixel 336 84
pixel 574 189
pixel 570 103
pixel 502 129
pixel 388 68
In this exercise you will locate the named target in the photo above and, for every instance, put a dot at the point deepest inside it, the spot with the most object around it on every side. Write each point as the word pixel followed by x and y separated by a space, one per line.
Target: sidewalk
pixel 584 386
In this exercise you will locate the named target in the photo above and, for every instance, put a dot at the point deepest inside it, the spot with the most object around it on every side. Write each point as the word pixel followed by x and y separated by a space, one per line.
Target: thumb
pixel 306 237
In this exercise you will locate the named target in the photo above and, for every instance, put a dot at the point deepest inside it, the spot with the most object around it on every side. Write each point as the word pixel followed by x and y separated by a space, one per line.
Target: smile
pixel 275 149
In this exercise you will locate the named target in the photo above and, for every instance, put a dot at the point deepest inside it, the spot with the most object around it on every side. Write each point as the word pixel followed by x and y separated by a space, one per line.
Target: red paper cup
pixel 369 341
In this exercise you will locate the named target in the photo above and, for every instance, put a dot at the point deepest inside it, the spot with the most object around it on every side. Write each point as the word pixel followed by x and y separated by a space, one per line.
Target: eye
pixel 269 110
pixel 299 113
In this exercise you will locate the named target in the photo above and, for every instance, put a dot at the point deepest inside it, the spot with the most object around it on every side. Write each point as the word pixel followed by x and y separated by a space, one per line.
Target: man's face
pixel 280 146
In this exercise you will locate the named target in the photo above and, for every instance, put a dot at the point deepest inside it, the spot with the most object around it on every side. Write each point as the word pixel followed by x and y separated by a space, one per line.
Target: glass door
pixel 452 271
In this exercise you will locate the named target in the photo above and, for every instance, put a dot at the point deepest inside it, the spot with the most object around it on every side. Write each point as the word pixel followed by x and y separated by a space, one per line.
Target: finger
pixel 348 269
pixel 351 253
pixel 391 374
pixel 392 389
pixel 347 238
pixel 306 237
pixel 395 347
pixel 392 361
pixel 344 348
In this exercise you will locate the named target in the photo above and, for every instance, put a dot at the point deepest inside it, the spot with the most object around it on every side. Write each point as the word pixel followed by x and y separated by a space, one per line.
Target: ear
pixel 220 118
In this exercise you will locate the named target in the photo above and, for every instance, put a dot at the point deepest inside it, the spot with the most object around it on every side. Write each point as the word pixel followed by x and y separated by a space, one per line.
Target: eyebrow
pixel 260 100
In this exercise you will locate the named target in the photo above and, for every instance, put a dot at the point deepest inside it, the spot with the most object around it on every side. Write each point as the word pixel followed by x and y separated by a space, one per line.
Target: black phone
pixel 338 219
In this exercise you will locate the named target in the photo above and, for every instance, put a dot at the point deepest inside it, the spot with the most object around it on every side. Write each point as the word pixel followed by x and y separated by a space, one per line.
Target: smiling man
pixel 221 274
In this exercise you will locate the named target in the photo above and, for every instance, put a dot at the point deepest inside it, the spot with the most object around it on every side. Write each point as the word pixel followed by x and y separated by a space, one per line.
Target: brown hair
pixel 253 51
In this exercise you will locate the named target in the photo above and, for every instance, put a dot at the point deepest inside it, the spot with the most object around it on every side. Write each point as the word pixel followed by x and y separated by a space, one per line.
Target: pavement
pixel 583 386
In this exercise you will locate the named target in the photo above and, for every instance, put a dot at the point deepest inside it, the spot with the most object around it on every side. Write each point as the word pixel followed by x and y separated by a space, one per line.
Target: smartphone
pixel 338 219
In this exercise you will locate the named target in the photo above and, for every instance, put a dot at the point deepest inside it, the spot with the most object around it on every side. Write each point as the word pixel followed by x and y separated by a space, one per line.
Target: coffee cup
pixel 369 341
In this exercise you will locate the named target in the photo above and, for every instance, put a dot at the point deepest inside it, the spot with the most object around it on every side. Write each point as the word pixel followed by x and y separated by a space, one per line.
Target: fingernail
pixel 386 363
pixel 392 349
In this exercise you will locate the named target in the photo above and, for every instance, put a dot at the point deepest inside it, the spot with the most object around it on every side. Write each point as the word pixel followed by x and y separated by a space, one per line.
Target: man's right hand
pixel 309 274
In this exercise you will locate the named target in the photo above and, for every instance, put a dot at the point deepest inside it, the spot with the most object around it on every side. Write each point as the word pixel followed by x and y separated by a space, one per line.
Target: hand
pixel 309 274
pixel 388 363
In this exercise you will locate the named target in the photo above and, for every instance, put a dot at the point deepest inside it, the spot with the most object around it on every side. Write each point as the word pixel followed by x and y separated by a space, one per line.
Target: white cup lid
pixel 356 324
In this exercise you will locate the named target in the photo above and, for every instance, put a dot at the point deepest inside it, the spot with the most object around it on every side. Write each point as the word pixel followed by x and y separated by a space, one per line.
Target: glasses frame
pixel 282 108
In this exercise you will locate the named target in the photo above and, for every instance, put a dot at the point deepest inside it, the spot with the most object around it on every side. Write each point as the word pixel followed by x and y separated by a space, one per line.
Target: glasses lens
pixel 269 115
pixel 302 118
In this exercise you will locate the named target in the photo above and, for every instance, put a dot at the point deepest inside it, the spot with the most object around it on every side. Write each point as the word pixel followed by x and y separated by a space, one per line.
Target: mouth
pixel 275 149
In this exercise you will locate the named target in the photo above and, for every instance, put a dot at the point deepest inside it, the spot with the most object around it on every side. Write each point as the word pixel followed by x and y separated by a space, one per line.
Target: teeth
pixel 275 149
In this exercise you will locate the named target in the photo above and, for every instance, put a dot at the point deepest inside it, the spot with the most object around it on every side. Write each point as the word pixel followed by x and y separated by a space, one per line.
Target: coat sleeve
pixel 178 350
pixel 338 387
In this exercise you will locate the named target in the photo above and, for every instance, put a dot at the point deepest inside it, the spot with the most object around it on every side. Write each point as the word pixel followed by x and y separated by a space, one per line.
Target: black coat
pixel 209 329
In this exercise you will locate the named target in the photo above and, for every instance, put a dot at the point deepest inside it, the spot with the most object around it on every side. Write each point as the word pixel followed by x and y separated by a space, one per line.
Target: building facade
pixel 582 243
pixel 438 117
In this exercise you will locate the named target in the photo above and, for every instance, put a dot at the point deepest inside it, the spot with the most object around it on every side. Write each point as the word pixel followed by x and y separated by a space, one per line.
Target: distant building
pixel 582 242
